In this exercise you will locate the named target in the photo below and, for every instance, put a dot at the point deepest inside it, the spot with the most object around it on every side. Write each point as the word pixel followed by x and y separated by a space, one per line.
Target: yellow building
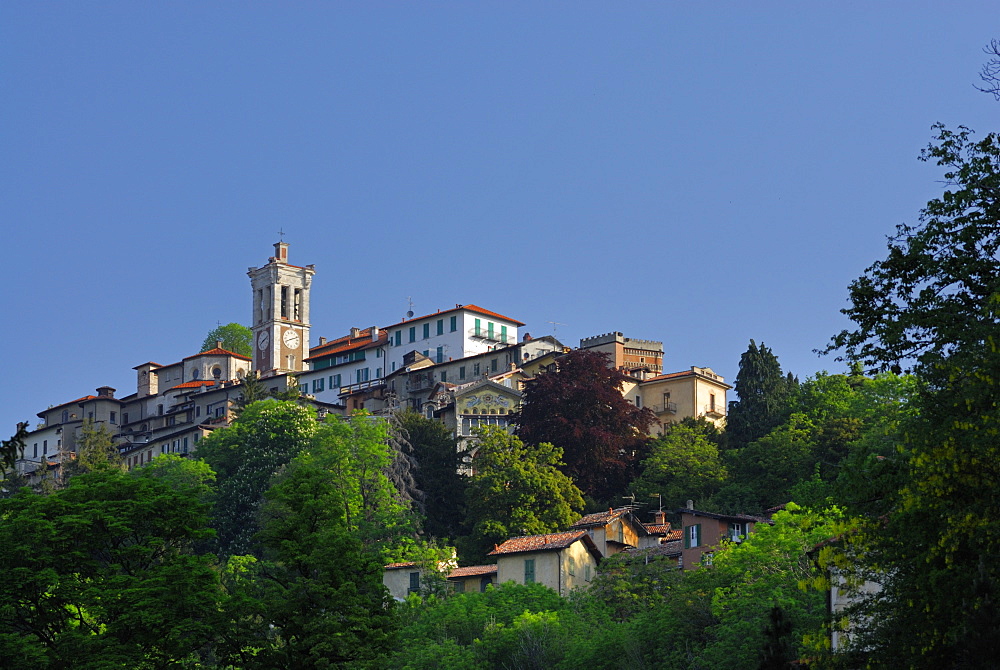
pixel 697 393
pixel 560 561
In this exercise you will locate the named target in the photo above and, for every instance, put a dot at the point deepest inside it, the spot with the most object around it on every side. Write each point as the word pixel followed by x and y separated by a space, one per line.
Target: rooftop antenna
pixel 632 504
pixel 554 324
pixel 659 499
pixel 409 313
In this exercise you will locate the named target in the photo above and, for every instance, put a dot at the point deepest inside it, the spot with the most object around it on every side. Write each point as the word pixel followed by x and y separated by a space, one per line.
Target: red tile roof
pixel 147 363
pixel 552 541
pixel 193 385
pixel 348 343
pixel 457 308
pixel 657 528
pixel 398 566
pixel 599 518
pixel 71 402
pixel 473 571
pixel 216 351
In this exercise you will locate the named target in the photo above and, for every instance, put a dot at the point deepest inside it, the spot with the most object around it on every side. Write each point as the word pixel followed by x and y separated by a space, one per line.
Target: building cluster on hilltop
pixel 464 366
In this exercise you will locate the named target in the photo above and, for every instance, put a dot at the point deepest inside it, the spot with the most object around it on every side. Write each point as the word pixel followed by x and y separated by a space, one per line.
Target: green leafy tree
pixel 931 304
pixel 682 464
pixel 95 449
pixel 517 489
pixel 316 598
pixel 12 449
pixel 763 396
pixel 100 574
pixel 580 409
pixel 234 337
pixel 244 456
pixel 357 455
pixel 437 475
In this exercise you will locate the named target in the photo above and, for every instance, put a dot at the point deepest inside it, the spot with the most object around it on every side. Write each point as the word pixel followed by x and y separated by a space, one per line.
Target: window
pixel 318 384
pixel 475 370
pixel 440 354
pixel 414 582
pixel 572 566
pixel 124 417
pixel 427 330
pixel 284 302
pixel 378 373
pixel 65 415
pixel 399 338
pixel 440 326
pixel 36 450
pixel 484 582
pixel 114 417
pixel 304 388
pixel 711 401
pixel 413 333
pixel 489 329
pixel 444 375
pixel 529 571
pixel 459 586
pixel 736 532
pixel 479 327
pixel 503 334
pixel 692 536
pixel 493 365
pixel 453 324
pixel 461 372
pixel 90 415
pixel 586 572
pixel 335 381
pixel 638 402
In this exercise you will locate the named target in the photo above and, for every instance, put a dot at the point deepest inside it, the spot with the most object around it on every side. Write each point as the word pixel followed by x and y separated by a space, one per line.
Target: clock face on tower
pixel 263 340
pixel 290 338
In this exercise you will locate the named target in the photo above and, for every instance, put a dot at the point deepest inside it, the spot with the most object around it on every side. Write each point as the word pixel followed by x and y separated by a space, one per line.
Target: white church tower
pixel 280 314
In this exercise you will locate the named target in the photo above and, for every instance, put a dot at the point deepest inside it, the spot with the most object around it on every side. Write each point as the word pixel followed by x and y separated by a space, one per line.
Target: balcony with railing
pixel 715 411
pixel 665 408
pixel 491 336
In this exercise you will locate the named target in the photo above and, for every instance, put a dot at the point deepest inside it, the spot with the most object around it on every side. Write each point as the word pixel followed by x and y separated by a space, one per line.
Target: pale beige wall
pixel 575 572
pixel 511 568
pixel 397 580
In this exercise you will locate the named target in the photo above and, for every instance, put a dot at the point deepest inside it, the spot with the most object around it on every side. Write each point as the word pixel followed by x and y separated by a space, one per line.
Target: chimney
pixel 105 392
pixel 218 344
pixel 322 341
pixel 659 517
pixel 526 337
pixel 374 333
pixel 690 504
pixel 355 332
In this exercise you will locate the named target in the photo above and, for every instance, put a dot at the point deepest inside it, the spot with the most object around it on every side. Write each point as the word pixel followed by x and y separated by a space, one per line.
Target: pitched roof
pixel 550 542
pixel 658 528
pixel 599 518
pixel 348 343
pixel 473 571
pixel 218 351
pixel 193 385
pixel 399 566
pixel 458 308
pixel 681 375
pixel 71 402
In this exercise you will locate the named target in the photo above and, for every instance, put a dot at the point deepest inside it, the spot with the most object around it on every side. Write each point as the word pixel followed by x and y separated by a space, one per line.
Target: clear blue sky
pixel 697 173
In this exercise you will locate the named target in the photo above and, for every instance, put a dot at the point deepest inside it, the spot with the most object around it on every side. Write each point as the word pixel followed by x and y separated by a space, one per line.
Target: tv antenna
pixel 554 324
pixel 409 313
pixel 632 504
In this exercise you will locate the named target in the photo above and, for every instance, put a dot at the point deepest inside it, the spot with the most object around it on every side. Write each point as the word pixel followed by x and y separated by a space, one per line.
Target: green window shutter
pixel 479 326
pixel 414 582
pixel 413 333
pixel 503 334
pixel 440 326
pixel 427 330
pixel 454 324
pixel 529 571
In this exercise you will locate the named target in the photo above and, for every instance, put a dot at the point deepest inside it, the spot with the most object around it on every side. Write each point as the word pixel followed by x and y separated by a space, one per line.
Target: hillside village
pixel 464 366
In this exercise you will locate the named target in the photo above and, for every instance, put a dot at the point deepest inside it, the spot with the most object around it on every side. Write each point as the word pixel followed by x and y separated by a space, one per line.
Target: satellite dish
pixel 409 314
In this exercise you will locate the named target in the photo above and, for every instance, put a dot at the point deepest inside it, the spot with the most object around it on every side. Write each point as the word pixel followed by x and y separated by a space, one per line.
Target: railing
pixel 495 336
pixel 666 408
pixel 361 386
pixel 716 411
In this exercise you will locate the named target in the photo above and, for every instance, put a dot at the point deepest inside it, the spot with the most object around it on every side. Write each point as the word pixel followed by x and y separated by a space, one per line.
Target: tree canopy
pixel 931 304
pixel 763 396
pixel 580 409
pixel 235 337
pixel 517 489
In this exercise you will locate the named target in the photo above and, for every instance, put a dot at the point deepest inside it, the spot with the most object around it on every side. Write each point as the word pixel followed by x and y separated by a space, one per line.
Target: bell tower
pixel 280 314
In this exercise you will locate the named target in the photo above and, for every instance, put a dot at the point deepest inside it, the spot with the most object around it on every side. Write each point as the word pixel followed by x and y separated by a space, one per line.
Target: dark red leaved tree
pixel 580 408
